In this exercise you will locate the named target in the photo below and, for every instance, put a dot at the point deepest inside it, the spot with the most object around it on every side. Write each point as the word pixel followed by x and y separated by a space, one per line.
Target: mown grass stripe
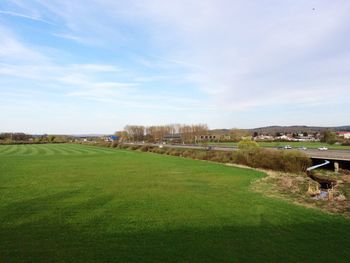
pixel 12 150
pixel 42 149
pixel 59 151
pixel 48 150
pixel 4 148
pixel 34 149
pixel 7 149
pixel 98 149
pixel 29 150
pixel 80 149
pixel 92 149
pixel 76 149
pixel 84 150
pixel 21 149
pixel 66 149
pixel 25 150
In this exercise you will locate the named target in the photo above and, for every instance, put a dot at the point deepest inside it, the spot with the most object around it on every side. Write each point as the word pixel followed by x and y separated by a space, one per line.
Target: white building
pixel 345 135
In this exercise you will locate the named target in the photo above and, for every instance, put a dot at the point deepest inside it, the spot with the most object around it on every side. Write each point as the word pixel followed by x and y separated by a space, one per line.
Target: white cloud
pixel 97 82
pixel 241 55
pixel 253 55
pixel 13 50
pixel 231 50
pixel 31 17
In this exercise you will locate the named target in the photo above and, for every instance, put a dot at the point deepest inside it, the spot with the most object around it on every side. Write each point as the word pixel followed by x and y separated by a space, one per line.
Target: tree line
pixel 184 133
pixel 17 137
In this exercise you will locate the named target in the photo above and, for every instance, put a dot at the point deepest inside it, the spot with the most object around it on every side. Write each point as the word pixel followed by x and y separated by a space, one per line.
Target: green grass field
pixel 310 145
pixel 74 203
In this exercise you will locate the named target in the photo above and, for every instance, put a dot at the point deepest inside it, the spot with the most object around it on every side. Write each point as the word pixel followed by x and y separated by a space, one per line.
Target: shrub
pixel 346 142
pixel 247 144
pixel 123 146
pixel 114 144
pixel 145 148
pixel 175 152
pixel 134 147
pixel 187 154
pixel 158 150
pixel 200 155
pixel 286 161
pixel 104 144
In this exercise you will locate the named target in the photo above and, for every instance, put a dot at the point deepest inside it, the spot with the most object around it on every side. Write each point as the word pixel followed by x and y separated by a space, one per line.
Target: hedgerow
pixel 256 157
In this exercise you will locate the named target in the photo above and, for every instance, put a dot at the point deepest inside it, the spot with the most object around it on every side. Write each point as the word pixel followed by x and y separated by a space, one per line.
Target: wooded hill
pixel 297 129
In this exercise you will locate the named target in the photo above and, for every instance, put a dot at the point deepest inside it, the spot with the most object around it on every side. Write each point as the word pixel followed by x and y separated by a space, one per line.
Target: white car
pixel 303 148
pixel 323 148
pixel 287 147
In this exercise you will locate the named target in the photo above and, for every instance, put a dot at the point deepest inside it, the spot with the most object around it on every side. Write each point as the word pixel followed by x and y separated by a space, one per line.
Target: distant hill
pixel 297 129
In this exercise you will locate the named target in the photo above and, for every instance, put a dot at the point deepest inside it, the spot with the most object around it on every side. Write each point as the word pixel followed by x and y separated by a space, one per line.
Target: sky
pixel 94 66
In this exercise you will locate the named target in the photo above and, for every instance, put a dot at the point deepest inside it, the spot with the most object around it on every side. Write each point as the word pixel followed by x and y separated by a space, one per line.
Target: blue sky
pixel 95 66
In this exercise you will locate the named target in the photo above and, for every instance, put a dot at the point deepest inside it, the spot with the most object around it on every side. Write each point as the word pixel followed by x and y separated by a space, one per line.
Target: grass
pixel 75 203
pixel 310 145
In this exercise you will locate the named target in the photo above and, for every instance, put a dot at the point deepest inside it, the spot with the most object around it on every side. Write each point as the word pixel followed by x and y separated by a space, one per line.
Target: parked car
pixel 323 148
pixel 303 148
pixel 287 147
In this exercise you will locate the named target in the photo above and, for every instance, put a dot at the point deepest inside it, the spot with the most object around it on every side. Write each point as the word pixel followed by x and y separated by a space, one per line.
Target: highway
pixel 341 155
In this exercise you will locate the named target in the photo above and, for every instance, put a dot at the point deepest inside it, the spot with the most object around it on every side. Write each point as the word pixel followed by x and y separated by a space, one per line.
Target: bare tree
pixel 135 132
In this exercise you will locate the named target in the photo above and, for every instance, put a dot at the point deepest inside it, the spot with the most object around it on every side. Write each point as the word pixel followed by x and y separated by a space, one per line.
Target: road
pixel 343 155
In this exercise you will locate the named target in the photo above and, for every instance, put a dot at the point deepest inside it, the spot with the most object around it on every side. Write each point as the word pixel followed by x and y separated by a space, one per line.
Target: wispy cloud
pixel 77 38
pixel 227 48
pixel 11 49
pixel 220 56
pixel 25 16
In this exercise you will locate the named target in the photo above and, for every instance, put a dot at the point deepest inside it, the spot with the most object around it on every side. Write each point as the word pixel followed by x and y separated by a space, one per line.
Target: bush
pixel 114 144
pixel 247 144
pixel 200 155
pixel 346 142
pixel 178 153
pixel 123 146
pixel 286 161
pixel 134 147
pixel 187 154
pixel 104 144
pixel 175 152
pixel 158 150
pixel 145 148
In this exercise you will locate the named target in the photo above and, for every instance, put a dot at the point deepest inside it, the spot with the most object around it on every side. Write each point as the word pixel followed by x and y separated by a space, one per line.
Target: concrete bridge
pixel 340 155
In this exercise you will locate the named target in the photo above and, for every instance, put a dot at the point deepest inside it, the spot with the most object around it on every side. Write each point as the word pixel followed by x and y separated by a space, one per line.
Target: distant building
pixel 345 135
pixel 172 137
pixel 206 137
pixel 284 138
pixel 264 138
pixel 110 138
